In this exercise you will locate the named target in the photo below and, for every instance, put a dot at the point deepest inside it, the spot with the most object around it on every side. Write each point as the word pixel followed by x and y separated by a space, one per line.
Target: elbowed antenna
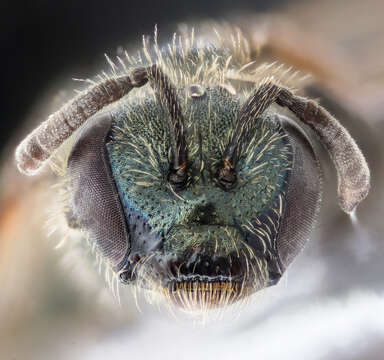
pixel 39 145
pixel 352 169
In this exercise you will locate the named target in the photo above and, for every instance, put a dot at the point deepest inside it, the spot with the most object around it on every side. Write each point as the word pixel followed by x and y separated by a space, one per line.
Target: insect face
pixel 201 231
pixel 204 245
pixel 190 189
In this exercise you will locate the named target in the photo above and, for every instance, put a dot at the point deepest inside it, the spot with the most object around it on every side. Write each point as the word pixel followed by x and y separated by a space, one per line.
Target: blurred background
pixel 329 305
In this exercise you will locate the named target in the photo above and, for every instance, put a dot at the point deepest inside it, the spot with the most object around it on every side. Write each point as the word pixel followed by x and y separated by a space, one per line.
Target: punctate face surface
pixel 187 179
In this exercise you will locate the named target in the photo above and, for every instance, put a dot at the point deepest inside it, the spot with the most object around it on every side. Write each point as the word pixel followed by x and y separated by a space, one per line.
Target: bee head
pixel 188 188
pixel 197 242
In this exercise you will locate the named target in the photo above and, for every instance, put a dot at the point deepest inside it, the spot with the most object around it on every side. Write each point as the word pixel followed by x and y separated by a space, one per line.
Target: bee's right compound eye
pixel 303 195
pixel 94 202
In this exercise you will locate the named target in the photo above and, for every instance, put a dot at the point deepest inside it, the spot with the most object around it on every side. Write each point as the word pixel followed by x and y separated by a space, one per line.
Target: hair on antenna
pixel 39 145
pixel 352 169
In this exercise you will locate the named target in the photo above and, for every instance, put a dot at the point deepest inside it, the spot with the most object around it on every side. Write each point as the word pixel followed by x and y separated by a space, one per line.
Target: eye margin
pixel 304 194
pixel 94 199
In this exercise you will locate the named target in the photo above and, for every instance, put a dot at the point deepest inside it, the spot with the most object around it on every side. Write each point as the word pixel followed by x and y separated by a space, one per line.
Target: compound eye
pixel 303 196
pixel 94 202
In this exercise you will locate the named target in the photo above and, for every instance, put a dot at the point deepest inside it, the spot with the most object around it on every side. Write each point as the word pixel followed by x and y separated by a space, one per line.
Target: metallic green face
pixel 184 175
pixel 205 243
pixel 202 233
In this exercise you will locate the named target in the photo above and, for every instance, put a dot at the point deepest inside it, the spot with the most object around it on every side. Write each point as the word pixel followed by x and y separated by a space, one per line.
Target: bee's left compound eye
pixel 94 202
